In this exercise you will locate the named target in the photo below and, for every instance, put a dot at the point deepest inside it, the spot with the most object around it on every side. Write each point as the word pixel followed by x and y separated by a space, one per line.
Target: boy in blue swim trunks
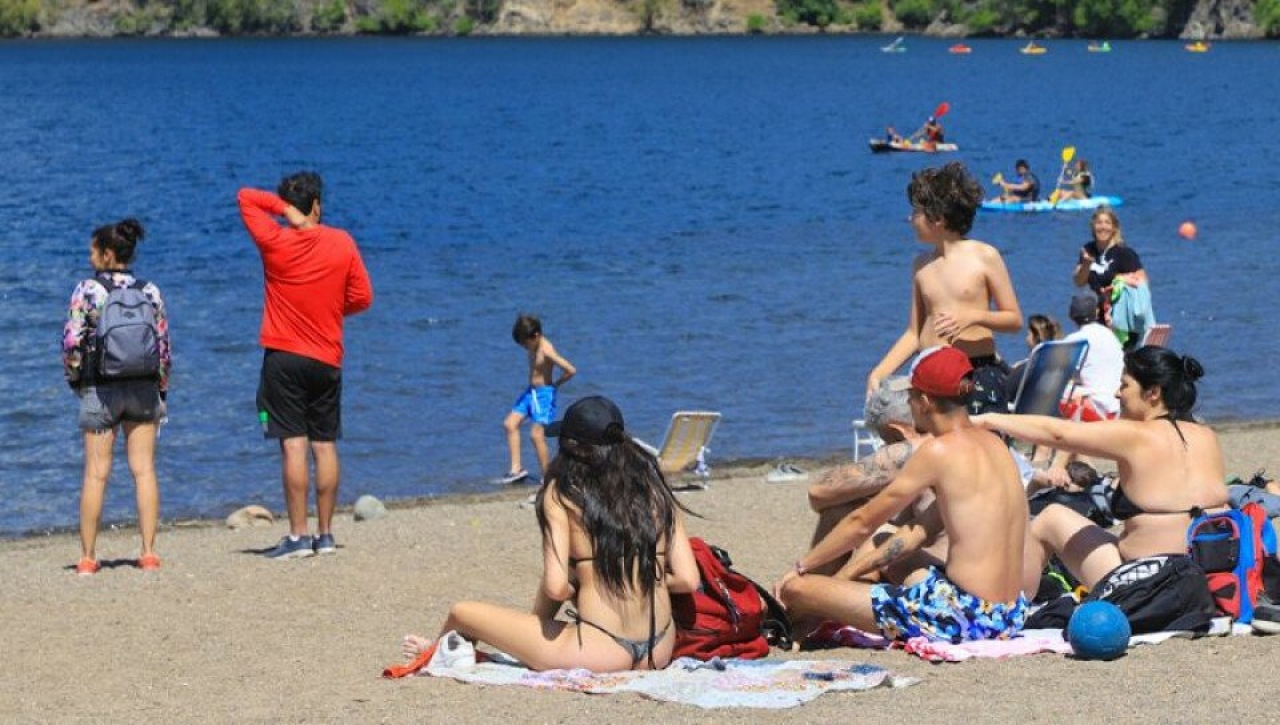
pixel 538 402
pixel 978 494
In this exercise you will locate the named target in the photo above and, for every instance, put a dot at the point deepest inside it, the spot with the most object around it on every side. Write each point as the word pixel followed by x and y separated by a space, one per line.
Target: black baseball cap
pixel 594 420
pixel 1084 307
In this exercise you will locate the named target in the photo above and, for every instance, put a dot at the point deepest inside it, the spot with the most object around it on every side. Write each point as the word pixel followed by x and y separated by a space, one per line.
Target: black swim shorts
pixel 299 396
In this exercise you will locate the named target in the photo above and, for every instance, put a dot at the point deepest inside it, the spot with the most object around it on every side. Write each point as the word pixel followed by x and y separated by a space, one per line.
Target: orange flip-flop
pixel 87 567
pixel 150 562
pixel 395 672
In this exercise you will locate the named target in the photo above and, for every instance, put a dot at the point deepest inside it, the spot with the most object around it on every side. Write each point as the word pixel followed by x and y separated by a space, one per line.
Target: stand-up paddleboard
pixel 1031 207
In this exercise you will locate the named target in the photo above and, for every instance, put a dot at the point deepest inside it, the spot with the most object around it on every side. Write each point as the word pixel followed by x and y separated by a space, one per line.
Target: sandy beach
pixel 221 634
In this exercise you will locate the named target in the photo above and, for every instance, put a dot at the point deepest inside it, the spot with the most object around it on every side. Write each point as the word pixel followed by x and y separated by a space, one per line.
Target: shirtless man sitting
pixel 980 502
pixel 961 293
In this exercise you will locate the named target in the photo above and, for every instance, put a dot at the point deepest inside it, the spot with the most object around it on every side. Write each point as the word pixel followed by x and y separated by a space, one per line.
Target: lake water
pixel 698 222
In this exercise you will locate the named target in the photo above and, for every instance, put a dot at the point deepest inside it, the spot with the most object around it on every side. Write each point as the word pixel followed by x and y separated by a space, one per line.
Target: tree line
pixel 1085 18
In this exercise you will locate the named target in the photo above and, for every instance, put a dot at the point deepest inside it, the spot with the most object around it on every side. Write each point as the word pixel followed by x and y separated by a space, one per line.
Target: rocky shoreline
pixel 1206 19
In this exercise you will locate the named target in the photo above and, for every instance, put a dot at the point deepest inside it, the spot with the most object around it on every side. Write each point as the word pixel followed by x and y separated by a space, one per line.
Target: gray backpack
pixel 128 340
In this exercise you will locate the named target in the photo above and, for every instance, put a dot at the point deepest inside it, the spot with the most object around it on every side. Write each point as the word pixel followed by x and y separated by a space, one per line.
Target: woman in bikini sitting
pixel 1170 469
pixel 613 545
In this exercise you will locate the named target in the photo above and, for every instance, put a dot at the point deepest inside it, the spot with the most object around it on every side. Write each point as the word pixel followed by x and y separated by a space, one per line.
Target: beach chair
pixel 686 444
pixel 1158 334
pixel 1051 369
pixel 865 440
pixel 1050 372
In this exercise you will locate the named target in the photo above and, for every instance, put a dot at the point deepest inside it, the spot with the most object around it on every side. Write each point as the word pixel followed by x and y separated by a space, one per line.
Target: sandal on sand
pixel 87 567
pixel 786 472
pixel 395 672
pixel 513 477
pixel 150 562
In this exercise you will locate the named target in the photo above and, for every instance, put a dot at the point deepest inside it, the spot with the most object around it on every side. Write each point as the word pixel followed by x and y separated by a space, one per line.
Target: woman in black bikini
pixel 1170 469
pixel 614 546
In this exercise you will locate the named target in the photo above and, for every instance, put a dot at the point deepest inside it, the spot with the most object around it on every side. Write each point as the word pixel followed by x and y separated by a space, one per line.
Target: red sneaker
pixel 87 567
pixel 150 562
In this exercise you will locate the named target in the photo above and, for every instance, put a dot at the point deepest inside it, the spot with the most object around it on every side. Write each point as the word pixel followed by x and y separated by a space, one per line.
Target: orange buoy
pixel 1187 230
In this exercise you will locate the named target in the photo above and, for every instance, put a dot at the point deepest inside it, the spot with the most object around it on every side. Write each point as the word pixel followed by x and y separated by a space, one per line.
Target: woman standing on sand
pixel 117 391
pixel 1115 273
pixel 1170 469
pixel 613 544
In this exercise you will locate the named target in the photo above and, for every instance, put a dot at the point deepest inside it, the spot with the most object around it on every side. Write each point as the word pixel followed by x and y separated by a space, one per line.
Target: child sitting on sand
pixel 613 544
pixel 960 289
pixel 538 402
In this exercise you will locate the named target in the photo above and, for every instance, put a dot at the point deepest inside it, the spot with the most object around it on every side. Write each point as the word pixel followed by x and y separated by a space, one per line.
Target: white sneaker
pixel 453 652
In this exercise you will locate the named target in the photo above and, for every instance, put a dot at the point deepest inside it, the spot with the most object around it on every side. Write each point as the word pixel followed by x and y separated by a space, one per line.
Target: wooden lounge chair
pixel 1158 334
pixel 686 444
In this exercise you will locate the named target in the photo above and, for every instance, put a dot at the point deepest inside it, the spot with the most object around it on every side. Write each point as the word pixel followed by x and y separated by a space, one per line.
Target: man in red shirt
pixel 314 278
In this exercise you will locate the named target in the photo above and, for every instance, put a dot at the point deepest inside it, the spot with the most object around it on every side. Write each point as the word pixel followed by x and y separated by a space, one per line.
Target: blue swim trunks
pixel 937 609
pixel 537 404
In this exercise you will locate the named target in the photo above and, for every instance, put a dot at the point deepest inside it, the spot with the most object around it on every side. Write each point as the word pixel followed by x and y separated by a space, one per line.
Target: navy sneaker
pixel 325 544
pixel 292 548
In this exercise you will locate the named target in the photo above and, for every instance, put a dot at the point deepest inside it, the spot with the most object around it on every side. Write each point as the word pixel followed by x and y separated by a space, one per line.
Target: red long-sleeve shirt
pixel 313 277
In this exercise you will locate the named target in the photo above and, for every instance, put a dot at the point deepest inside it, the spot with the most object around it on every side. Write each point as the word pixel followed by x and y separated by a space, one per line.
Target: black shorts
pixel 299 396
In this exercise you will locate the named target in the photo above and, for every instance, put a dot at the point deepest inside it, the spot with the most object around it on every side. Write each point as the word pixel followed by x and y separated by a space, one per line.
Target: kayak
pixel 880 146
pixel 1033 49
pixel 960 49
pixel 1104 48
pixel 896 46
pixel 1029 207
pixel 1197 47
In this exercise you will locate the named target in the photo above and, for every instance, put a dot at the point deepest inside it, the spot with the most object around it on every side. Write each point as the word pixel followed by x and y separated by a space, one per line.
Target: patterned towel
pixel 714 684
pixel 1029 641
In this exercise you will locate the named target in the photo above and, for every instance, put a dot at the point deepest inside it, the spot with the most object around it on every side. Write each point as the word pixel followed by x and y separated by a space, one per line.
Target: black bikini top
pixel 1124 509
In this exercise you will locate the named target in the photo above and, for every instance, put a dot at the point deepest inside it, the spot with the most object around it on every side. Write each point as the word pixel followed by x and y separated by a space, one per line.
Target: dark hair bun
pixel 131 230
pixel 1191 368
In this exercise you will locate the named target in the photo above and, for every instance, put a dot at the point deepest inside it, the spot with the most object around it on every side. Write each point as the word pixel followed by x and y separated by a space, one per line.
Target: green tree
pixel 818 13
pixel 19 17
pixel 914 13
pixel 1267 15
pixel 329 17
pixel 868 15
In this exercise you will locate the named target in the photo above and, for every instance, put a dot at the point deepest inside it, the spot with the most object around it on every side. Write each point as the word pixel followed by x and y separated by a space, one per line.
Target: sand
pixel 221 634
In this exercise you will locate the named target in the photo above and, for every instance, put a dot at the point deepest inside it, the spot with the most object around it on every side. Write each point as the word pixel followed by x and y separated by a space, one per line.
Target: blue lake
pixel 698 222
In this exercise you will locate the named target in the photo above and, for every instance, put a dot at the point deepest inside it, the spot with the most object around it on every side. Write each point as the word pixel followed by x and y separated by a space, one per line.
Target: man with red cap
pixel 981 502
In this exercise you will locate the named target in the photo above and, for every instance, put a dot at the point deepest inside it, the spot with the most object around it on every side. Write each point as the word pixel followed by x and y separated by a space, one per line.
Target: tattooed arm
pixel 855 481
pixel 908 539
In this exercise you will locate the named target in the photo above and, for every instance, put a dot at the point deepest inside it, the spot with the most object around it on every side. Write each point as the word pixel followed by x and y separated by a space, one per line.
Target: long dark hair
pixel 626 505
pixel 1176 375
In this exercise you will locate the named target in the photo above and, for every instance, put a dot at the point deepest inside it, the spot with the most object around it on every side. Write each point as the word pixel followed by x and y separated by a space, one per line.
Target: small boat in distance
pixel 1103 47
pixel 960 49
pixel 1032 49
pixel 881 146
pixel 1197 47
pixel 897 46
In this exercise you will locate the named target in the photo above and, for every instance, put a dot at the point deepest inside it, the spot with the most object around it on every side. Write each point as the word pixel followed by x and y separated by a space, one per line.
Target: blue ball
pixel 1098 631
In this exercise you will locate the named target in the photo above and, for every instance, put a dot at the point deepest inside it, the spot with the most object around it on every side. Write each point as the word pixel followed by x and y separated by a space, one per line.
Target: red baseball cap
pixel 938 371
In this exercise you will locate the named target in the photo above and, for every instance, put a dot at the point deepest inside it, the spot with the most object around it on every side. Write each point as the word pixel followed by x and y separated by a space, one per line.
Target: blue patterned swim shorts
pixel 937 609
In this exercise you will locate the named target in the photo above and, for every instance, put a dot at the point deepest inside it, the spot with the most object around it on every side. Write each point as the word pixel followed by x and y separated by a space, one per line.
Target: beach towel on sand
pixel 716 683
pixel 1028 642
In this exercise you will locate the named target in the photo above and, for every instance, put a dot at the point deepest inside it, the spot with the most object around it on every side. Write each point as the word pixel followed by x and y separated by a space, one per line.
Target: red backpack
pixel 1237 550
pixel 729 615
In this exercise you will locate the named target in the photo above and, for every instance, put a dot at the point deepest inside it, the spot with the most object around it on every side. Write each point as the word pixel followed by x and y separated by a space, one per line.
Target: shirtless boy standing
pixel 961 293
pixel 538 402
pixel 980 503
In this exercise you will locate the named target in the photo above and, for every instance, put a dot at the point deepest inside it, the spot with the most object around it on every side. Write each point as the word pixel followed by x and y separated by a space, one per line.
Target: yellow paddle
pixel 1068 153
